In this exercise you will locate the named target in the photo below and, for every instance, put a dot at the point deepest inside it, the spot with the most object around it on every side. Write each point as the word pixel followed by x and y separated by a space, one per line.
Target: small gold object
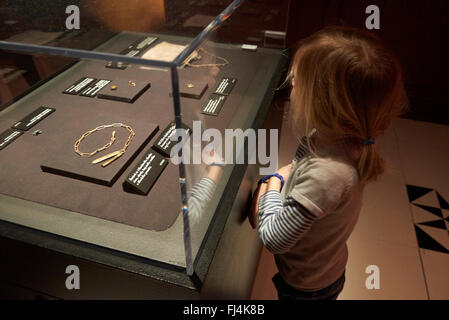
pixel 37 132
pixel 190 85
pixel 118 155
pixel 111 157
pixel 113 87
pixel 132 83
pixel 106 157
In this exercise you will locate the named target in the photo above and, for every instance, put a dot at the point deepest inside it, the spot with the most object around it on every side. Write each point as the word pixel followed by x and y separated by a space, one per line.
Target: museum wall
pixel 415 30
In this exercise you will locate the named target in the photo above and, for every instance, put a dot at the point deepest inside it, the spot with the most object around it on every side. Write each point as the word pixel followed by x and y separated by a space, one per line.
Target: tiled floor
pixel 404 224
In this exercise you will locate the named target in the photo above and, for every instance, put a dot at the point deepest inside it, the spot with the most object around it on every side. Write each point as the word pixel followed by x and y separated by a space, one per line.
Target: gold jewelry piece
pixel 111 157
pixel 224 62
pixel 113 87
pixel 132 83
pixel 106 157
pixel 190 85
pixel 37 132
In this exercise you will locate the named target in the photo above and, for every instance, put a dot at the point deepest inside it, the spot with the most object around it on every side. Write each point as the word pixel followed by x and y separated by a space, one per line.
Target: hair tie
pixel 369 142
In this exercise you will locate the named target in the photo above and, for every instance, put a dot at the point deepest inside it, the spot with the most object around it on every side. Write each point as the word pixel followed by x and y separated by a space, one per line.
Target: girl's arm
pixel 322 187
pixel 281 225
pixel 203 192
pixel 261 190
pixel 301 152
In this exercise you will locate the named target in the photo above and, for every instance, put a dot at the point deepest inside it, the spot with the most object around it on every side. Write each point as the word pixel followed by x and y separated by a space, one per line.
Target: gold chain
pixel 115 154
pixel 223 64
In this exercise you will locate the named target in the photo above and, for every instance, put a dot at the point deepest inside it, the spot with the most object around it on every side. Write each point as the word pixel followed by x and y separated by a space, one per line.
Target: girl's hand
pixel 254 211
pixel 285 172
pixel 260 191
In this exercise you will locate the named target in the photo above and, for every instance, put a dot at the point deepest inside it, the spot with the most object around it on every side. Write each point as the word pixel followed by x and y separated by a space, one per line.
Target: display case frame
pixel 125 254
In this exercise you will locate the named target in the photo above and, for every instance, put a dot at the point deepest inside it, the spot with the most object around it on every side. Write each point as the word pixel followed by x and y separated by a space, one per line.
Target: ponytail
pixel 371 164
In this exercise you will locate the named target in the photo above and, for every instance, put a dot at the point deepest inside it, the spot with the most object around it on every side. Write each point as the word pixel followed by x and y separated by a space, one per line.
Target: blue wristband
pixel 274 175
pixel 216 164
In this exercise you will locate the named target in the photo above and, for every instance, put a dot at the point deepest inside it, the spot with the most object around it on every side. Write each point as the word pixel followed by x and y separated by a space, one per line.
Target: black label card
pixel 213 104
pixel 93 89
pixel 225 86
pixel 145 173
pixel 9 136
pixel 131 52
pixel 143 43
pixel 33 118
pixel 79 85
pixel 116 65
pixel 163 143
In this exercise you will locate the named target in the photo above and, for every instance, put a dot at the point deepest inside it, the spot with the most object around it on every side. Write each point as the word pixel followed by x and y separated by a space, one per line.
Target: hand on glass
pixel 252 216
pixel 272 184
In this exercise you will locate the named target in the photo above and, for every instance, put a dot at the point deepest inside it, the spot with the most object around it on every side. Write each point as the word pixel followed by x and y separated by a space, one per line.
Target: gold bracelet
pixel 114 155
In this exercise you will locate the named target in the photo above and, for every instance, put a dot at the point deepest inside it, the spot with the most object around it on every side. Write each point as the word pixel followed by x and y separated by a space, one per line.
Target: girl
pixel 348 88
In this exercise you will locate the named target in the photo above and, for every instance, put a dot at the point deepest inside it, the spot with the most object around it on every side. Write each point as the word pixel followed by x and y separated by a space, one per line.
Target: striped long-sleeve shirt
pixel 307 226
pixel 282 224
pixel 199 198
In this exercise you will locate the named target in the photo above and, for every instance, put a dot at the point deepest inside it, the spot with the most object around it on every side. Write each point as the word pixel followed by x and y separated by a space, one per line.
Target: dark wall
pixel 416 30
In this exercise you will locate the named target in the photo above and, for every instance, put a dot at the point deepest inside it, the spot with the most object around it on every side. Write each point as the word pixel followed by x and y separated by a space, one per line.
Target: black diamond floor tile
pixel 443 202
pixel 436 211
pixel 434 224
pixel 427 242
pixel 415 192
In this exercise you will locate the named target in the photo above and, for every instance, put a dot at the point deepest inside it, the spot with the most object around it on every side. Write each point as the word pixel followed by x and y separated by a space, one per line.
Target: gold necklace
pixel 114 155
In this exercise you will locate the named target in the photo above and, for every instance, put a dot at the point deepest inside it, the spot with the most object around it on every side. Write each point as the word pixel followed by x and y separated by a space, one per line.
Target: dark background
pixel 416 30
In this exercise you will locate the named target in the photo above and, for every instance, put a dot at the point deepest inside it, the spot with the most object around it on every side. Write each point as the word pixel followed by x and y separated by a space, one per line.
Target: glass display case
pixel 108 113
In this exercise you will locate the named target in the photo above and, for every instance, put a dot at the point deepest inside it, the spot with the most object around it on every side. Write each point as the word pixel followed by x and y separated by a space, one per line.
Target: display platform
pixel 104 167
pixel 75 114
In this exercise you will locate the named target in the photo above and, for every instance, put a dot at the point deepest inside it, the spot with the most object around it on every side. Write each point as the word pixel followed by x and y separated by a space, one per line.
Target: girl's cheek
pixel 293 98
pixel 292 95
